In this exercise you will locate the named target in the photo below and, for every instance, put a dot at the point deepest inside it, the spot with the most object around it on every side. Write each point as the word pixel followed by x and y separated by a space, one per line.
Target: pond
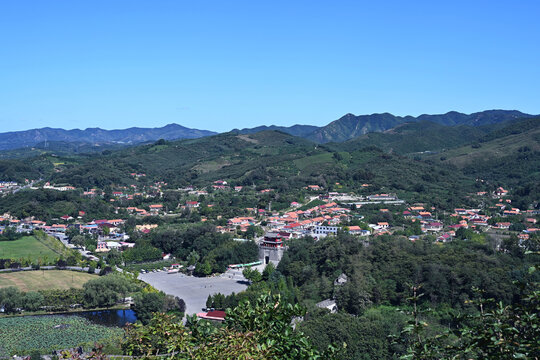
pixel 109 317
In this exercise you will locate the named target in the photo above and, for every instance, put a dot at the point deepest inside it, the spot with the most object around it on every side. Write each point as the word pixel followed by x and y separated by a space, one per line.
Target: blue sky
pixel 220 65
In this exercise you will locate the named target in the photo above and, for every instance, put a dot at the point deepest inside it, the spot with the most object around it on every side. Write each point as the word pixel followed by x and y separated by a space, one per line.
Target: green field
pixel 45 279
pixel 21 335
pixel 42 247
pixel 314 159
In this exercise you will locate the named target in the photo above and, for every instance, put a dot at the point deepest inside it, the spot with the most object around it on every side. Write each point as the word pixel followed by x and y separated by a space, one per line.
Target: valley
pixel 214 223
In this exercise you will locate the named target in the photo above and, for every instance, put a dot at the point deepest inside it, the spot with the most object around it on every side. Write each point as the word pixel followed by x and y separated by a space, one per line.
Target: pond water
pixel 117 318
pixel 110 317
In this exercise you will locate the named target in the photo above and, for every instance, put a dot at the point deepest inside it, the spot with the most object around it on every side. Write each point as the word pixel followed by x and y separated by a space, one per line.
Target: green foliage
pixel 22 335
pixel 59 300
pixel 188 241
pixel 32 301
pixel 173 304
pixel 252 275
pixel 351 298
pixel 148 303
pixel 15 170
pixel 163 335
pixel 10 299
pixel 137 267
pixel 9 234
pixel 494 331
pixel 379 272
pixel 140 253
pixel 366 336
pixel 268 271
pixel 260 330
pixel 47 204
pixel 418 137
pixel 105 291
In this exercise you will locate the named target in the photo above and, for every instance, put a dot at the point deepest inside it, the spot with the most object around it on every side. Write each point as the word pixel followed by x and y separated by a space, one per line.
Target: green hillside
pixel 273 159
pixel 522 137
pixel 509 156
pixel 418 137
pixel 266 159
pixel 350 126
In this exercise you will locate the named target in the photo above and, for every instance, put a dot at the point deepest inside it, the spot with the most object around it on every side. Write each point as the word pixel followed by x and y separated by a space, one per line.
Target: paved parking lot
pixel 195 290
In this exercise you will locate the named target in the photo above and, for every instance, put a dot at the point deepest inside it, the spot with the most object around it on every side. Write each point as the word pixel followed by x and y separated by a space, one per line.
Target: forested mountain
pixel 59 148
pixel 278 160
pixel 29 138
pixel 267 159
pixel 351 126
pixel 296 130
pixel 522 137
pixel 425 136
pixel 343 129
pixel 508 155
pixel 417 137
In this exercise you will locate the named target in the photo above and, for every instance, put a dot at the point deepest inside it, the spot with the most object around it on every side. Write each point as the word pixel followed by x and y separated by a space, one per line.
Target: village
pixel 331 213
pixel 141 211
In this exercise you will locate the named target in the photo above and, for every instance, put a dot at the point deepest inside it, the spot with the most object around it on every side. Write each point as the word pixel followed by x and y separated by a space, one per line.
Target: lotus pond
pixel 21 335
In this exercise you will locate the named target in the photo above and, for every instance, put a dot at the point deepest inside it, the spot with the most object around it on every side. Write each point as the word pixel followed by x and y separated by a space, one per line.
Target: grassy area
pixel 213 165
pixel 31 247
pixel 44 279
pixel 38 247
pixel 314 159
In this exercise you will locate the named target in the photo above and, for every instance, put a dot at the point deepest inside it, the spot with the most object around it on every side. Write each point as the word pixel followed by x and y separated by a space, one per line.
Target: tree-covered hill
pixel 518 137
pixel 418 137
pixel 274 159
pixel 269 159
pixel 351 126
pixel 296 130
pixel 59 148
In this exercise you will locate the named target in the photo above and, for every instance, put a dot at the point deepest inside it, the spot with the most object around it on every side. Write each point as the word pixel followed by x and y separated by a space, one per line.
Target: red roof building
pixel 217 315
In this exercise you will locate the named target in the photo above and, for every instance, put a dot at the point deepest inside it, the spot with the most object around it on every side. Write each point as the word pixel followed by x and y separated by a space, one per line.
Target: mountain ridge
pixel 350 126
pixel 347 127
pixel 29 138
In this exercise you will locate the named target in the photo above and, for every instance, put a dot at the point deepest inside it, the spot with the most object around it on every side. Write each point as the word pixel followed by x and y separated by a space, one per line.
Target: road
pixel 28 268
pixel 195 290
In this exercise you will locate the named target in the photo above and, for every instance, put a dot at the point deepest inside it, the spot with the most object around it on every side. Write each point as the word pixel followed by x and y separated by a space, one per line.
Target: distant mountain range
pixel 97 136
pixel 351 126
pixel 345 128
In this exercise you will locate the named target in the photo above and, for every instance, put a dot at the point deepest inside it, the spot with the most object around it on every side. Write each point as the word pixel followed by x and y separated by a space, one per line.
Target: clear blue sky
pixel 220 65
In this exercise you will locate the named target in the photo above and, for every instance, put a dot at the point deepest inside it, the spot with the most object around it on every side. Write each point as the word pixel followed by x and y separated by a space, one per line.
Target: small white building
pixel 328 304
pixel 325 230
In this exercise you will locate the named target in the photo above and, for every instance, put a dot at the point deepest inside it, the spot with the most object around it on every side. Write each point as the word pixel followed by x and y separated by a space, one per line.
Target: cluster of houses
pixel 108 232
pixel 324 220
pixel 8 186
pixel 318 221
pixel 469 218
